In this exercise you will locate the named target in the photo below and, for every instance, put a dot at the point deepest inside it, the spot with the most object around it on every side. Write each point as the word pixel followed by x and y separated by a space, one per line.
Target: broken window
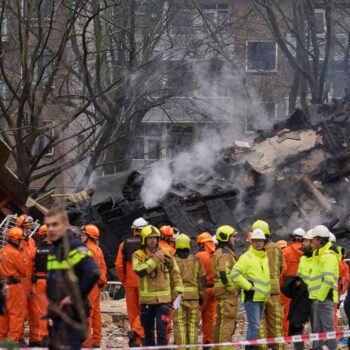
pixel 148 142
pixel 214 14
pixel 46 138
pixel 180 138
pixel 261 56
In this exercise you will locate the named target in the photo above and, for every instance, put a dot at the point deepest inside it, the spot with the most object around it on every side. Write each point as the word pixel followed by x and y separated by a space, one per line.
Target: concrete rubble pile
pixel 293 175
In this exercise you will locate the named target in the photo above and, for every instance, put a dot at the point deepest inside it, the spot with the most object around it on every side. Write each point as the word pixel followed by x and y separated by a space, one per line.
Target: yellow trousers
pixel 271 327
pixel 226 315
pixel 186 323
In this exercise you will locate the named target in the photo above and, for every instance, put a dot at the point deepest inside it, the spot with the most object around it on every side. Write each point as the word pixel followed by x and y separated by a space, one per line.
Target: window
pixel 341 85
pixel 43 68
pixel 46 138
pixel 215 14
pixel 182 22
pixel 148 142
pixel 216 82
pixel 5 29
pixel 261 56
pixel 44 7
pixel 180 138
pixel 320 22
pixel 180 78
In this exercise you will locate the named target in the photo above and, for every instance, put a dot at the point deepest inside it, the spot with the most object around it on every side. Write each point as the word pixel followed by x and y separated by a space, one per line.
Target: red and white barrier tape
pixel 290 339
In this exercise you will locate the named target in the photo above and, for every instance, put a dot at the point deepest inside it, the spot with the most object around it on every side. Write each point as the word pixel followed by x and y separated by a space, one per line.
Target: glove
pixel 177 302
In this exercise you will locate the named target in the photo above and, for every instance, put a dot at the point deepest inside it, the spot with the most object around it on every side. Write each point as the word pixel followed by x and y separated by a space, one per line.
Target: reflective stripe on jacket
pixel 193 277
pixel 323 280
pixel 224 260
pixel 252 273
pixel 275 258
pixel 75 256
pixel 158 279
pixel 304 269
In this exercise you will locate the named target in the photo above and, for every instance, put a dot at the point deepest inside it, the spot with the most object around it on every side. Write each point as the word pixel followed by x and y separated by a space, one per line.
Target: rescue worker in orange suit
pixel 291 256
pixel 28 250
pixel 343 280
pixel 89 237
pixel 13 269
pixel 167 239
pixel 130 281
pixel 208 309
pixel 40 332
pixel 273 311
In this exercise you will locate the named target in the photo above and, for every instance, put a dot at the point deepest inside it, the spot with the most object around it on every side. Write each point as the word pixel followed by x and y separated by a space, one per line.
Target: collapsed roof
pixel 293 175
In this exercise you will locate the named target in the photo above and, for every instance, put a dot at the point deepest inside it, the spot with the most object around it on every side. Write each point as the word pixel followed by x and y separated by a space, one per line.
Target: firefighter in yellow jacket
pixel 186 317
pixel 273 313
pixel 159 281
pixel 226 291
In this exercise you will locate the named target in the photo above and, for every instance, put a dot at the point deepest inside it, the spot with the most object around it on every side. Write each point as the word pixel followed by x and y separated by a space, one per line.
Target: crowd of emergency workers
pixel 282 285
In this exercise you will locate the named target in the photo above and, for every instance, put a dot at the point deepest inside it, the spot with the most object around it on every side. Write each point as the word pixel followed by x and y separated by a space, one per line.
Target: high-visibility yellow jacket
pixel 158 279
pixel 323 281
pixel 223 261
pixel 252 273
pixel 275 258
pixel 304 269
pixel 193 277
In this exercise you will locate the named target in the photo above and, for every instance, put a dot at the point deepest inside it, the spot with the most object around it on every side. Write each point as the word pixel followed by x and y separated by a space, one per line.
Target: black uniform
pixel 62 335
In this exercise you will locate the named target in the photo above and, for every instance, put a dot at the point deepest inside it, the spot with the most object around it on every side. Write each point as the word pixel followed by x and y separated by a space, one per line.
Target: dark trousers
pixel 155 317
pixel 65 337
pixel 296 330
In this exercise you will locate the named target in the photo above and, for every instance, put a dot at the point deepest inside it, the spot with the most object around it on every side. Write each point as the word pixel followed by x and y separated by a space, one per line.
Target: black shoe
pixel 133 336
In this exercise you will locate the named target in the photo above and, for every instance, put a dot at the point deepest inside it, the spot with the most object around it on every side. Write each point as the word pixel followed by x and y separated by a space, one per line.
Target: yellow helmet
pixel 262 225
pixel 182 241
pixel 149 231
pixel 223 233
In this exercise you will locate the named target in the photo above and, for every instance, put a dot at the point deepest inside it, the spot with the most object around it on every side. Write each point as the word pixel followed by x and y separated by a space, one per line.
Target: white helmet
pixel 299 232
pixel 309 235
pixel 332 237
pixel 258 234
pixel 139 223
pixel 321 231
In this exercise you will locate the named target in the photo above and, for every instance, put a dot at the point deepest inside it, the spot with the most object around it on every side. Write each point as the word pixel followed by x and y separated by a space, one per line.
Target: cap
pixel 299 232
pixel 257 234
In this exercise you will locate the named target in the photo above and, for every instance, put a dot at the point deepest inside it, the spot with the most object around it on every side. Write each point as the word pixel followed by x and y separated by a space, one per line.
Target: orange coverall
pixel 291 256
pixel 39 301
pixel 208 309
pixel 343 283
pixel 13 268
pixel 28 249
pixel 130 281
pixel 95 323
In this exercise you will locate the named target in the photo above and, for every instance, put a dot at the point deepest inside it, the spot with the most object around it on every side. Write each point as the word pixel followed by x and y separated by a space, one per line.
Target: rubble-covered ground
pixel 115 325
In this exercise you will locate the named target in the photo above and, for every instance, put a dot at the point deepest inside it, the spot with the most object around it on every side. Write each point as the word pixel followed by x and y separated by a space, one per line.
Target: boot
pixel 133 337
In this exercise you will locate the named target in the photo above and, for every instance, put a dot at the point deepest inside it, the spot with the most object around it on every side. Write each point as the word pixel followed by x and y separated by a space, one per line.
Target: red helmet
pixel 92 231
pixel 167 231
pixel 204 237
pixel 20 220
pixel 15 233
pixel 42 230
